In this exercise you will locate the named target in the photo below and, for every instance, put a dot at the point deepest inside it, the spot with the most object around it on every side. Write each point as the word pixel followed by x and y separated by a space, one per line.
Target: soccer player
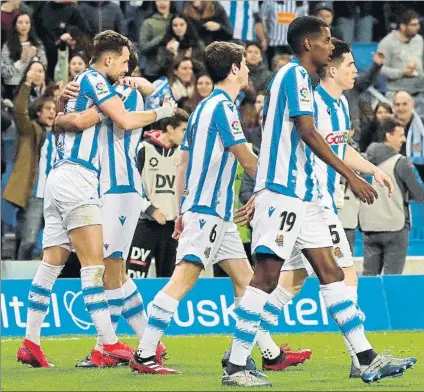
pixel 287 212
pixel 71 209
pixel 212 144
pixel 333 123
pixel 122 200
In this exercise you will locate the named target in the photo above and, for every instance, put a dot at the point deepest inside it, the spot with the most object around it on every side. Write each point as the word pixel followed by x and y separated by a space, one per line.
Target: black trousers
pixel 152 241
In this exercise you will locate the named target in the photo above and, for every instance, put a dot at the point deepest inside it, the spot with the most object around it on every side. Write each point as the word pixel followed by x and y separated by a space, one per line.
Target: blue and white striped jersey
pixel 333 123
pixel 277 15
pixel 82 147
pixel 155 99
pixel 118 149
pixel 213 127
pixel 286 166
pixel 47 157
pixel 241 17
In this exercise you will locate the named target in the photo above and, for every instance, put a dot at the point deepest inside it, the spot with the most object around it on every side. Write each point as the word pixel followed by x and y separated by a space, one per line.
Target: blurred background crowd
pixel 46 43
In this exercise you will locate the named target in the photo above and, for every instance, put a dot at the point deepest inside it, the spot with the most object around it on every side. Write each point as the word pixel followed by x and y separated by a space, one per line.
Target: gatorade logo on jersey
pixel 336 138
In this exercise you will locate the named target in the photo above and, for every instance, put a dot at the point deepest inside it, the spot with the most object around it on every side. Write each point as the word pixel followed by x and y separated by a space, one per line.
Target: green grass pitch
pixel 198 357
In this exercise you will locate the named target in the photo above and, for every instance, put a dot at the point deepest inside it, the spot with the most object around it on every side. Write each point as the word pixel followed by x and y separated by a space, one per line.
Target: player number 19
pixel 287 219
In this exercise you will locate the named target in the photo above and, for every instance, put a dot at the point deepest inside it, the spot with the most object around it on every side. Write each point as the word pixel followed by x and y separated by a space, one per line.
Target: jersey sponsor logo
pixel 304 94
pixel 336 138
pixel 236 127
pixel 165 184
pixel 101 88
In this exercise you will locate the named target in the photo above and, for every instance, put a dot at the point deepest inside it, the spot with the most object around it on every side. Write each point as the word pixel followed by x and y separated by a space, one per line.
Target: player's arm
pixel 300 105
pixel 229 128
pixel 142 85
pixel 77 122
pixel 179 188
pixel 356 162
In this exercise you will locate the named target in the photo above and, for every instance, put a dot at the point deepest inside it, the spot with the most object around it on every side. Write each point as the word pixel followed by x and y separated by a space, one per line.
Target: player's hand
pixel 70 91
pixel 212 26
pixel 362 190
pixel 244 215
pixel 159 216
pixel 178 228
pixel 129 81
pixel 384 180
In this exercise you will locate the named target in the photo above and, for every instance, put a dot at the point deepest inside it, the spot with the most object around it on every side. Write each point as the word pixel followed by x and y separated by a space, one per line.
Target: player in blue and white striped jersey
pixel 213 142
pixel 288 214
pixel 71 200
pixel 333 123
pixel 245 19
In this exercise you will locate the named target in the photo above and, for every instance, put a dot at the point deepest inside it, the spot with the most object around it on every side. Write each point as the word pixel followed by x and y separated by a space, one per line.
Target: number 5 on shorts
pixel 334 234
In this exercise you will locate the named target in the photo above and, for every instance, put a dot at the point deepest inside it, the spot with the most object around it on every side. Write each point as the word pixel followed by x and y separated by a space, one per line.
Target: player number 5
pixel 334 234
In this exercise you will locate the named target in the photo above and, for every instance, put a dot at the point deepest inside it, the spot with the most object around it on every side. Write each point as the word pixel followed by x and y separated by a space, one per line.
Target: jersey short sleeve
pixel 96 87
pixel 228 124
pixel 298 90
pixel 185 146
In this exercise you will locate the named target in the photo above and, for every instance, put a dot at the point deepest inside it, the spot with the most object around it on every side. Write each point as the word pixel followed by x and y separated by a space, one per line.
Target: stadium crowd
pixel 45 44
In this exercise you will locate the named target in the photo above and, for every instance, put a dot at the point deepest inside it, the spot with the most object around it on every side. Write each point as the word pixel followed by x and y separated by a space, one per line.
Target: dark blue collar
pixel 218 90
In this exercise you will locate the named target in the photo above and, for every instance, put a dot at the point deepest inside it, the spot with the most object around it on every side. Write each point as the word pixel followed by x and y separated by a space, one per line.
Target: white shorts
pixel 283 223
pixel 208 239
pixel 71 200
pixel 120 213
pixel 342 251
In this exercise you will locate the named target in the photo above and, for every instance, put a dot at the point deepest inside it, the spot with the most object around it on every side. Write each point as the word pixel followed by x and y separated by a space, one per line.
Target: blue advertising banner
pixel 209 307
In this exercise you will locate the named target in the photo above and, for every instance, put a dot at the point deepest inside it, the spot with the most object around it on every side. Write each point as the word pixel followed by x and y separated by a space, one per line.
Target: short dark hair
pixel 406 17
pixel 336 58
pixel 253 43
pixel 38 105
pixel 220 56
pixel 179 117
pixel 133 62
pixel 388 125
pixel 301 28
pixel 109 41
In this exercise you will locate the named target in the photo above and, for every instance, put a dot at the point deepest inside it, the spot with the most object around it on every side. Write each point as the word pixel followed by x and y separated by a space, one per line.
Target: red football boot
pixel 119 351
pixel 161 353
pixel 150 366
pixel 286 358
pixel 31 354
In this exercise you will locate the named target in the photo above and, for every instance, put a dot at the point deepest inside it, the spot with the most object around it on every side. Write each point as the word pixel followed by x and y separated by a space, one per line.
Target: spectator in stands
pixel 157 163
pixel 203 88
pixel 104 15
pixel 246 21
pixel 325 12
pixel 279 61
pixel 355 20
pixel 386 223
pixel 67 68
pixel 362 83
pixel 9 11
pixel 181 78
pixel 404 52
pixel 276 16
pixel 181 41
pixel 403 105
pixel 34 159
pixel 152 37
pixel 210 20
pixel 259 73
pixel 22 47
pixel 259 101
pixel 39 80
pixel 369 132
pixel 54 18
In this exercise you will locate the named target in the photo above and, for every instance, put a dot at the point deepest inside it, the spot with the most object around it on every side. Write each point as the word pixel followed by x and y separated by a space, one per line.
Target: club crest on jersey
pixel 279 240
pixel 304 94
pixel 338 253
pixel 208 252
pixel 336 138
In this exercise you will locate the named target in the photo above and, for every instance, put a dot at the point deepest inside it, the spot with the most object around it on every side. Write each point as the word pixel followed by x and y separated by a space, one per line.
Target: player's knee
pixel 332 274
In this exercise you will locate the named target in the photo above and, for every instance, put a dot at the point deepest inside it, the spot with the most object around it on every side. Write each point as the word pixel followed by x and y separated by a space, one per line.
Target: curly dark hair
pixel 13 41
